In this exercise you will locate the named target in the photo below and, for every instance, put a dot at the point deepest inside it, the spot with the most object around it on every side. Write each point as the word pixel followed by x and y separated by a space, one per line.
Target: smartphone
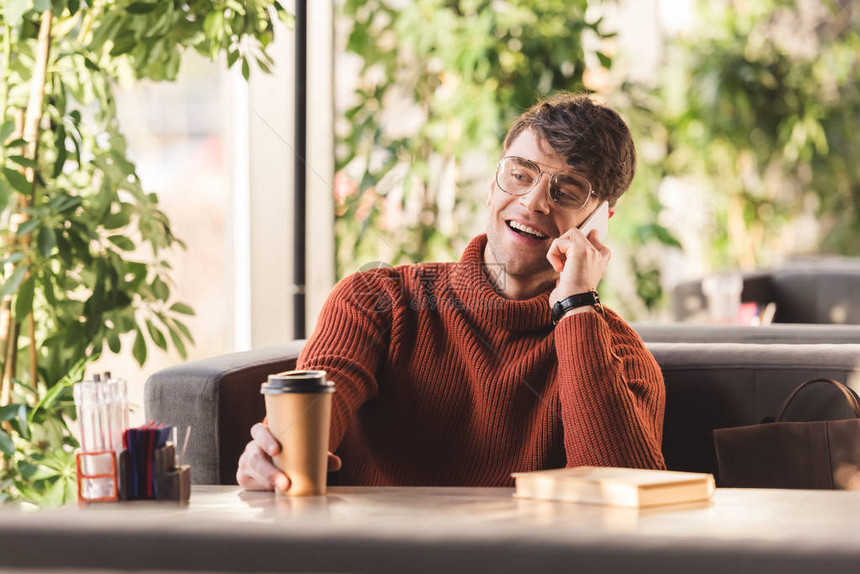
pixel 599 220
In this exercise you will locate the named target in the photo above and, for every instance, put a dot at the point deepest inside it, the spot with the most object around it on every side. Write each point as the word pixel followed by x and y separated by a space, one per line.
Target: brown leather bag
pixel 821 454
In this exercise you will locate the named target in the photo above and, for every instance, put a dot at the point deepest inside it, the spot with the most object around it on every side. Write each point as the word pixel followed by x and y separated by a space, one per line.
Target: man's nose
pixel 538 198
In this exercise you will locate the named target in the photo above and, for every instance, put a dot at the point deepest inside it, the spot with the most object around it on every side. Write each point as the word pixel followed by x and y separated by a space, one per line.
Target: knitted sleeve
pixel 351 341
pixel 611 394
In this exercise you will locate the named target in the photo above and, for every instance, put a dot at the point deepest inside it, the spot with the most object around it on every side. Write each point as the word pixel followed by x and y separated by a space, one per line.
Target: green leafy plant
pixel 82 243
pixel 760 105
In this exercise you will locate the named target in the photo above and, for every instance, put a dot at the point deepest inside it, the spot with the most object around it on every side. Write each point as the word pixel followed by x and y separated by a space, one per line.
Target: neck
pixel 517 287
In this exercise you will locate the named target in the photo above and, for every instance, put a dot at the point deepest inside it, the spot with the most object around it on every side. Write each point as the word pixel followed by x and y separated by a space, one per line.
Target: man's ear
pixel 611 211
pixel 490 194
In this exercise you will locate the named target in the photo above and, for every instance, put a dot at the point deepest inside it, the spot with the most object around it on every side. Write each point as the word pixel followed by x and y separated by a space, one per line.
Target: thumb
pixel 334 462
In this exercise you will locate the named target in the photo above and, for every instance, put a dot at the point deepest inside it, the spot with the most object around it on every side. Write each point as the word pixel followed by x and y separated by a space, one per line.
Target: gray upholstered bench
pixel 708 386
pixel 811 290
pixel 776 334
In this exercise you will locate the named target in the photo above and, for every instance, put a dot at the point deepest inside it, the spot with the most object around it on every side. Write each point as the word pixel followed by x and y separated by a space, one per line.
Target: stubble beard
pixel 516 268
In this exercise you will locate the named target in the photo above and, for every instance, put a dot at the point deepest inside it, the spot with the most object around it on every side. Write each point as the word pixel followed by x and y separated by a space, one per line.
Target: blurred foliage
pixel 82 243
pixel 439 84
pixel 761 106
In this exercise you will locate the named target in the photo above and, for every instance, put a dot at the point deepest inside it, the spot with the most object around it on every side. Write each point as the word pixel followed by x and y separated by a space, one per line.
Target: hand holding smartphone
pixel 599 220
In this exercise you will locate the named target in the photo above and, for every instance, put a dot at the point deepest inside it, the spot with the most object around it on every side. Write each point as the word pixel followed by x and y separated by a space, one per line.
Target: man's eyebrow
pixel 567 169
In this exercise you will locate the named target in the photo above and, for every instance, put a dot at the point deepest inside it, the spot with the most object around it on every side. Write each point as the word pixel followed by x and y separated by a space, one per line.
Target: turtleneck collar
pixel 484 305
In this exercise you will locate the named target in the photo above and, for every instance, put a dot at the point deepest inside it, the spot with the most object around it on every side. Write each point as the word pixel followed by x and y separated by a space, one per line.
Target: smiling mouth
pixel 525 230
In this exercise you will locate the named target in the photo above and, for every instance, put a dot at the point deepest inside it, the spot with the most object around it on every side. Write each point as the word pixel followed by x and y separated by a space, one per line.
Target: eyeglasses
pixel 518 176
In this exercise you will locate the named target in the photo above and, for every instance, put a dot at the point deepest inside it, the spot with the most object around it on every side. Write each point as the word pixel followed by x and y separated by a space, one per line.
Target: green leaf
pixel 21 422
pixel 49 400
pixel 28 226
pixel 117 220
pixel 184 329
pixel 62 153
pixel 42 472
pixel 114 343
pixel 182 308
pixel 122 242
pixel 20 142
pixel 24 301
pixel 6 444
pixel 213 24
pixel 9 412
pixel 46 241
pixel 124 323
pixel 14 258
pixel 6 130
pixel 288 19
pixel 138 351
pixel 157 335
pixel 246 70
pixel 122 45
pixel 605 60
pixel 177 342
pixel 6 192
pixel 232 56
pixel 11 286
pixel 140 8
pixel 56 492
pixel 264 66
pixel 23 161
pixel 42 5
pixel 160 289
pixel 18 181
pixel 236 6
pixel 68 203
pixel 90 65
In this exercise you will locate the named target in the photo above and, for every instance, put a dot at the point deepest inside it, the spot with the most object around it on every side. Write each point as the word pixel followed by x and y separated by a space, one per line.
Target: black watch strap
pixel 573 302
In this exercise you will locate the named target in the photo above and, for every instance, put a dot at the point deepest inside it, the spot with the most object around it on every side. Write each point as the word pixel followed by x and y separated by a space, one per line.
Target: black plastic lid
pixel 297 382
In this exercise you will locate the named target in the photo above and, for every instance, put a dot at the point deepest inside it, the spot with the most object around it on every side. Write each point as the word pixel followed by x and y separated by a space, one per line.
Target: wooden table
pixel 441 530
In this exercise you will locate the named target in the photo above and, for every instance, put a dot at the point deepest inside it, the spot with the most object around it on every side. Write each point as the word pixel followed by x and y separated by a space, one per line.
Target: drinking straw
pixel 175 439
pixel 184 445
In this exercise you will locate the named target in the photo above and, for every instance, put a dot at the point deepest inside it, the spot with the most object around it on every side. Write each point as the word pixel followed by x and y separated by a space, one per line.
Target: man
pixel 455 374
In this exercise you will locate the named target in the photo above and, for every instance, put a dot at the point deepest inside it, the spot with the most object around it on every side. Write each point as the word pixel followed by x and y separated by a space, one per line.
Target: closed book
pixel 631 487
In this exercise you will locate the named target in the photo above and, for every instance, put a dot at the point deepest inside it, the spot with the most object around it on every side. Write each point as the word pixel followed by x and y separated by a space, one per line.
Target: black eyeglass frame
pixel 551 185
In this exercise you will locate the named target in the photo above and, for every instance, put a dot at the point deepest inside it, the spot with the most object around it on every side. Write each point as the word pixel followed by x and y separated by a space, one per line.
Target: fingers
pixel 256 470
pixel 600 246
pixel 264 437
pixel 556 256
pixel 563 246
pixel 579 260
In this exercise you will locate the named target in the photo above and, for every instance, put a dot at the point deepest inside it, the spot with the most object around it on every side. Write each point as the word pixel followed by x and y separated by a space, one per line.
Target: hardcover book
pixel 630 487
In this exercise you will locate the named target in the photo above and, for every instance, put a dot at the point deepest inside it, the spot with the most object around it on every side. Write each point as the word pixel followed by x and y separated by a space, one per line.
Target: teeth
pixel 527 229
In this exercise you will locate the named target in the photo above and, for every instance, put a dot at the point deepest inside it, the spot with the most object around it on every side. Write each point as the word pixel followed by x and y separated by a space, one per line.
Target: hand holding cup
pixel 291 453
pixel 257 471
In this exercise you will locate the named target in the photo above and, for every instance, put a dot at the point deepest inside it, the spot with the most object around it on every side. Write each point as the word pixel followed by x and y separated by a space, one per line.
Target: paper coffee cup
pixel 298 407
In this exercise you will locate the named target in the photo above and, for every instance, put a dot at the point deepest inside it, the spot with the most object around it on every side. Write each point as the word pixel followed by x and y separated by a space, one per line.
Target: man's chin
pixel 528 272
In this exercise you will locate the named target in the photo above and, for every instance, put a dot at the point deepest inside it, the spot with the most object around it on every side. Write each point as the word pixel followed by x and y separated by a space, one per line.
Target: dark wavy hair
pixel 592 138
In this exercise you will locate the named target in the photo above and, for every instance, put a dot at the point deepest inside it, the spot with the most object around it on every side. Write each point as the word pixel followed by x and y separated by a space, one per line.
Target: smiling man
pixel 462 373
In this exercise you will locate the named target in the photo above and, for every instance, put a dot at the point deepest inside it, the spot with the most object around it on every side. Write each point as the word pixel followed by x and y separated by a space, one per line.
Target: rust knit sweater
pixel 441 381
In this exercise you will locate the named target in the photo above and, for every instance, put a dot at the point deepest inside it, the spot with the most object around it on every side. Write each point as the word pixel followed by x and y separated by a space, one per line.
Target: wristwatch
pixel 575 301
